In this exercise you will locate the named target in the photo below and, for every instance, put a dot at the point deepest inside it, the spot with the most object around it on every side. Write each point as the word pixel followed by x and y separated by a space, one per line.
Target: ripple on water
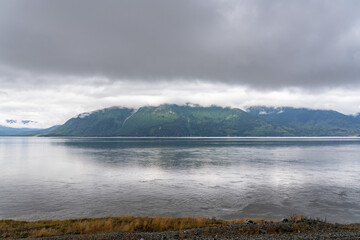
pixel 224 178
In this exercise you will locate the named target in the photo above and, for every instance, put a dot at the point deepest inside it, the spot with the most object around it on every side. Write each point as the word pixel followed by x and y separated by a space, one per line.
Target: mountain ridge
pixel 169 120
pixel 192 120
pixel 11 131
pixel 309 122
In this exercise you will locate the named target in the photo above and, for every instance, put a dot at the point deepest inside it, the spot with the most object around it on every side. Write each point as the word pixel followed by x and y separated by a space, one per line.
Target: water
pixel 216 177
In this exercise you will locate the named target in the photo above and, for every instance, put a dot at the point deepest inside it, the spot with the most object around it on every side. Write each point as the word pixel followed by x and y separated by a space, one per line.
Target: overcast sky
pixel 63 57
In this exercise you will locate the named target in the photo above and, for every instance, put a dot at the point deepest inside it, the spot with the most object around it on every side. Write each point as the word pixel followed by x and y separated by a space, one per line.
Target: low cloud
pixel 54 105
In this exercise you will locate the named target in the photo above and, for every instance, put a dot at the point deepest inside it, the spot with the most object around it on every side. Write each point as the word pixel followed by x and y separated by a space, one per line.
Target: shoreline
pixel 194 137
pixel 129 227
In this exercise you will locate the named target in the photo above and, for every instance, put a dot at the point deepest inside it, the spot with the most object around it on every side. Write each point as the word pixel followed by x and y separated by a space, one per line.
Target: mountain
pixel 168 121
pixel 34 132
pixel 105 122
pixel 308 122
pixel 5 131
pixel 9 131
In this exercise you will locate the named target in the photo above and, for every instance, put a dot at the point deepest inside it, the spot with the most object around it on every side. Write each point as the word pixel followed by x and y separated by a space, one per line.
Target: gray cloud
pixel 259 43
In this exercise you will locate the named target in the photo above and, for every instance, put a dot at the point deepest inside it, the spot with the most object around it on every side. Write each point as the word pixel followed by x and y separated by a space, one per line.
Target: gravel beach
pixel 249 230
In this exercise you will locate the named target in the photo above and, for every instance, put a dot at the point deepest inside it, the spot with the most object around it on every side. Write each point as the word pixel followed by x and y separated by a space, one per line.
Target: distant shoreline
pixel 199 137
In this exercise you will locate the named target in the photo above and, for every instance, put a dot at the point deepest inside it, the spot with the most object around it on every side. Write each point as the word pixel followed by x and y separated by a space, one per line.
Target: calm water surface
pixel 216 177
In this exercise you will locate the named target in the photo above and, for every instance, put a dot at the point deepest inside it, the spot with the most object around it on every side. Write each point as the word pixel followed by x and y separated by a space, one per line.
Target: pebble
pixel 231 232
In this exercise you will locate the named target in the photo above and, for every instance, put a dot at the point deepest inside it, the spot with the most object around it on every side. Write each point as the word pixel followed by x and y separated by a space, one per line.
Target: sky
pixel 61 58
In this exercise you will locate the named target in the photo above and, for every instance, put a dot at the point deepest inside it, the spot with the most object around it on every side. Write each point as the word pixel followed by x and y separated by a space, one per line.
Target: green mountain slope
pixel 307 122
pixel 167 121
pixel 106 122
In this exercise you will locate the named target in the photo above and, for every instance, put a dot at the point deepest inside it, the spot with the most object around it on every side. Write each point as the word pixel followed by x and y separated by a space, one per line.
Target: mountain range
pixel 308 122
pixel 11 131
pixel 170 120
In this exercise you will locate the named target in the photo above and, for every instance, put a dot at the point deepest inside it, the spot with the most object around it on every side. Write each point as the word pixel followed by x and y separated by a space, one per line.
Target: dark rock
pixel 284 220
pixel 236 224
pixel 286 228
pixel 249 221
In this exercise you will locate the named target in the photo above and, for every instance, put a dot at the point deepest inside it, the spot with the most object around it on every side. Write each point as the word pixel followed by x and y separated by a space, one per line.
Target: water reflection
pixel 227 178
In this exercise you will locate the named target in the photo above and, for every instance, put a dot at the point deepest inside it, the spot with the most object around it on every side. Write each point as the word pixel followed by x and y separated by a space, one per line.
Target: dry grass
pixel 19 229
pixel 10 229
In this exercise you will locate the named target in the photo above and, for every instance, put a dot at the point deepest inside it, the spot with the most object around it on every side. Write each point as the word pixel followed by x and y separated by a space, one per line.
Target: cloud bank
pixel 54 105
pixel 258 43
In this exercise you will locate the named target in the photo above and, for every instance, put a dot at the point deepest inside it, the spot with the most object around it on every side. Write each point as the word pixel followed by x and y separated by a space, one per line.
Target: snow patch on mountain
pixel 84 115
pixel 19 123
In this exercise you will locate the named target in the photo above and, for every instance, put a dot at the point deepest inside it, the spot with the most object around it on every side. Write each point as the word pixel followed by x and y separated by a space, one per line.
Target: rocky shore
pixel 286 229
